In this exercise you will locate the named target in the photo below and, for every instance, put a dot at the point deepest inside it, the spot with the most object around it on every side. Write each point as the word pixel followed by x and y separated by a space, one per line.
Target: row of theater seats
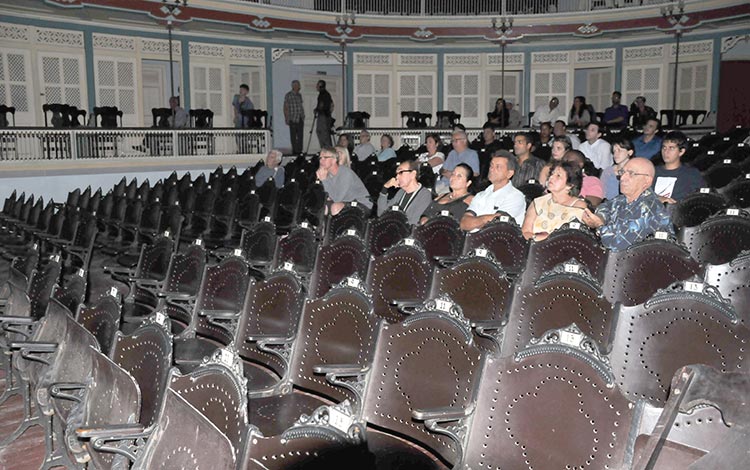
pixel 515 380
pixel 216 304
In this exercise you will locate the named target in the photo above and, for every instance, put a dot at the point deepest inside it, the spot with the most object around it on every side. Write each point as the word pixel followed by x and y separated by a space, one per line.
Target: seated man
pixel 591 189
pixel 560 129
pixel 271 170
pixel 648 144
pixel 529 166
pixel 633 215
pixel 499 196
pixel 365 148
pixel 411 197
pixel 486 142
pixel 616 116
pixel 674 180
pixel 595 148
pixel 461 153
pixel 515 121
pixel 340 182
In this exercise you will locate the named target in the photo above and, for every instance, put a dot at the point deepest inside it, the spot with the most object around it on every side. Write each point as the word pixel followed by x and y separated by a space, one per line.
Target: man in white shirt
pixel 499 196
pixel 547 113
pixel 595 148
pixel 365 148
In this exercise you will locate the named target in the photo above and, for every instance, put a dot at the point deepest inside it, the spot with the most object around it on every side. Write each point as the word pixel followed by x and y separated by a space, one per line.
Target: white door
pixel 153 91
pixel 115 79
pixel 372 94
pixel 642 80
pixel 250 76
pixel 511 91
pixel 548 84
pixel 416 92
pixel 692 86
pixel 599 87
pixel 15 85
pixel 462 97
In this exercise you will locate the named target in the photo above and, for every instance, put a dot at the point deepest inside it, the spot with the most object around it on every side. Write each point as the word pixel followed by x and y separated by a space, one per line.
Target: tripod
pixel 309 137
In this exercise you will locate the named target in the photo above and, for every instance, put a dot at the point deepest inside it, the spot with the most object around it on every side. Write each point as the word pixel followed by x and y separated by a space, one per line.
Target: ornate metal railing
pixel 457 7
pixel 20 144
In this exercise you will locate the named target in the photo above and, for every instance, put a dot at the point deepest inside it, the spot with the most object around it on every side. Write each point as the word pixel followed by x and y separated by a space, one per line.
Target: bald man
pixel 633 215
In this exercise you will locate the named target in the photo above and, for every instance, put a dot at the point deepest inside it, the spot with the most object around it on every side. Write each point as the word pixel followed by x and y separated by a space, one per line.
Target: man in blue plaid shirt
pixel 294 116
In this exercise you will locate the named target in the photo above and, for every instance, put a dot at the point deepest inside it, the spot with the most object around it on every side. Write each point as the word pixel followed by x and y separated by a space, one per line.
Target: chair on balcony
pixel 415 119
pixel 103 144
pixel 357 120
pixel 447 119
pixel 4 111
pixel 201 143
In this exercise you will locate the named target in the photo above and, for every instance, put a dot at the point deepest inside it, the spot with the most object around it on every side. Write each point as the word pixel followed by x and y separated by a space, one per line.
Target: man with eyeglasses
pixel 411 198
pixel 340 182
pixel 633 215
pixel 674 180
pixel 461 153
pixel 547 113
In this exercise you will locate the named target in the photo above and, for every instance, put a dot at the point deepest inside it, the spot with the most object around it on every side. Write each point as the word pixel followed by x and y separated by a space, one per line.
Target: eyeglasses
pixel 400 172
pixel 631 173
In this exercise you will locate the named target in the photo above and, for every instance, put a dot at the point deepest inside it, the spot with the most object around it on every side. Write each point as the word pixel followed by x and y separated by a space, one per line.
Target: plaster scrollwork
pixel 278 53
pixel 247 53
pixel 423 34
pixel 727 43
pixel 462 59
pixel 336 55
pixel 641 53
pixel 588 29
pixel 14 32
pixel 372 59
pixel 550 58
pixel 158 46
pixel 595 55
pixel 59 37
pixel 514 58
pixel 692 48
pixel 206 50
pixel 416 59
pixel 108 41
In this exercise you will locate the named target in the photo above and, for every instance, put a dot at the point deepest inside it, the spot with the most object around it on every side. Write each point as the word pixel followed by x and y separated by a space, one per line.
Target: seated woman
pixel 344 158
pixel 386 148
pixel 561 205
pixel 579 113
pixel 271 169
pixel 499 117
pixel 433 155
pixel 457 200
pixel 591 187
pixel 560 145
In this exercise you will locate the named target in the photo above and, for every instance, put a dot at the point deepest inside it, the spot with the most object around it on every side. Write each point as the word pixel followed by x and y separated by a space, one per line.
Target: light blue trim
pixel 440 80
pixel 715 75
pixel 88 47
pixel 269 83
pixel 527 107
pixel 185 61
pixel 618 68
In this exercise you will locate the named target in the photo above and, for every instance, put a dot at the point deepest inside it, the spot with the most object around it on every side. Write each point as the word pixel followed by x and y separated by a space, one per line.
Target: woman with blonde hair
pixel 344 158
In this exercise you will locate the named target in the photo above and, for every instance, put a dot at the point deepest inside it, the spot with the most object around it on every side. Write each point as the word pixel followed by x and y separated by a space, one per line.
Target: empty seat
pixel 386 230
pixel 352 216
pixel 720 238
pixel 345 256
pixel 440 236
pixel 732 279
pixel 695 208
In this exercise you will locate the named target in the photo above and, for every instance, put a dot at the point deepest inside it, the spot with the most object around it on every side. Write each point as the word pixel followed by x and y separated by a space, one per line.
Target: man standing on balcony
pixel 323 111
pixel 294 115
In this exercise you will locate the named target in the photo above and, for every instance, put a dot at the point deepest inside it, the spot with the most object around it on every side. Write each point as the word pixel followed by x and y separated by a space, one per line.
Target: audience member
pixel 241 102
pixel 500 116
pixel 324 113
pixel 591 186
pixel 500 196
pixel 411 198
pixel 345 141
pixel 529 166
pixel 547 113
pixel 515 120
pixel 648 144
pixel 579 113
pixel 560 145
pixel 433 155
pixel 616 116
pixel 386 148
pixel 561 205
pixel 486 141
pixel 595 148
pixel 622 151
pixel 340 182
pixel 461 153
pixel 294 116
pixel 458 199
pixel 344 157
pixel 365 148
pixel 560 129
pixel 640 112
pixel 674 180
pixel 271 170
pixel 179 118
pixel 545 133
pixel 633 215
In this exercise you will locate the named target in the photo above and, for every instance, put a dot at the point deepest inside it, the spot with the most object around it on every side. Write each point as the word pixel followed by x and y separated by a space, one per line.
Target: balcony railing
pixel 21 144
pixel 457 7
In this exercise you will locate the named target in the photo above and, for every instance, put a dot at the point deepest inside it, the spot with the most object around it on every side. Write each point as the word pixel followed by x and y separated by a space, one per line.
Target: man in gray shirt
pixel 365 148
pixel 340 182
pixel 411 197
